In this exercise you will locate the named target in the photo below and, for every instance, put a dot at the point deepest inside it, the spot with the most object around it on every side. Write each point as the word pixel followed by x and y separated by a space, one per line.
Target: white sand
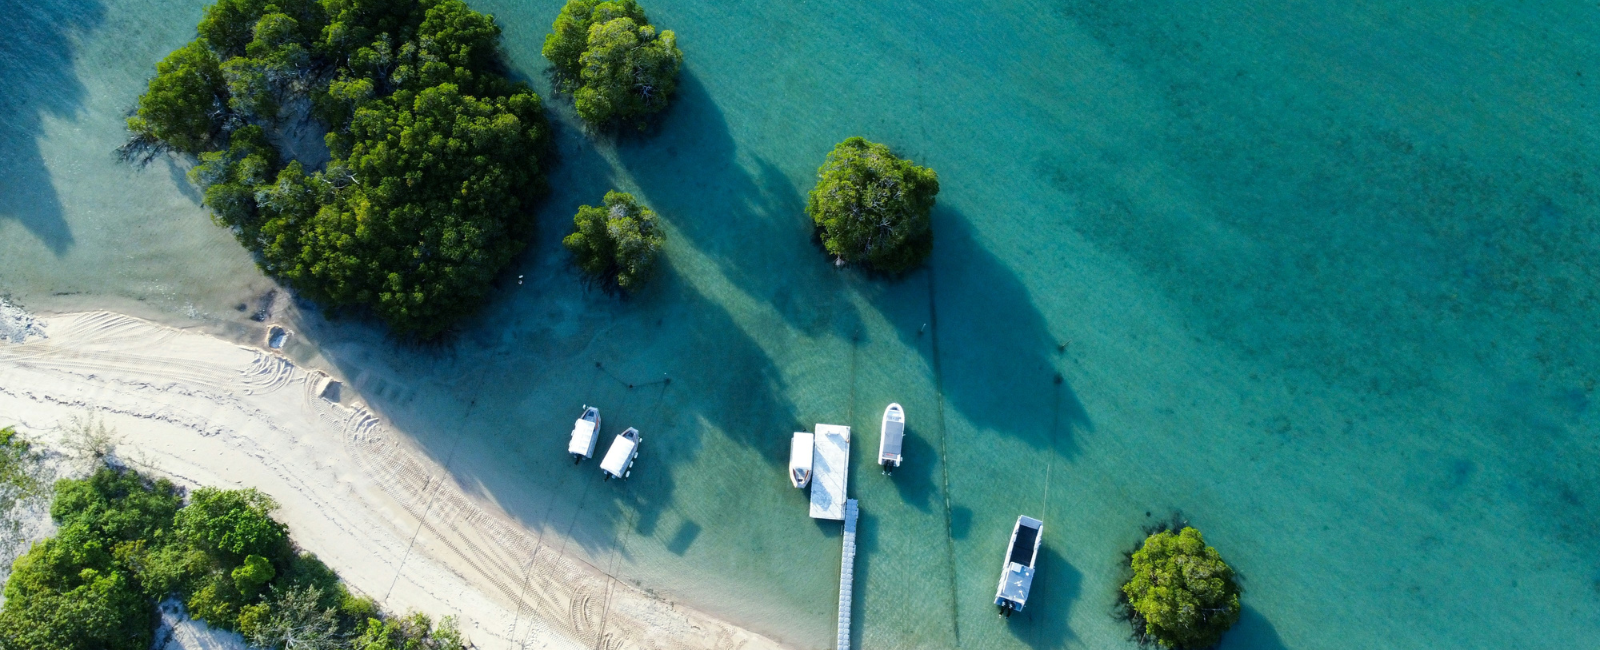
pixel 394 524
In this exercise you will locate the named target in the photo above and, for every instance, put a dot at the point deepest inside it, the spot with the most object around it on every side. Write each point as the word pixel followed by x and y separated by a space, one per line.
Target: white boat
pixel 890 436
pixel 584 434
pixel 800 450
pixel 618 462
pixel 1016 577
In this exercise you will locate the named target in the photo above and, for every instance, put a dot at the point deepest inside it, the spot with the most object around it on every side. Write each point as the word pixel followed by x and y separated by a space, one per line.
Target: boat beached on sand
pixel 801 448
pixel 619 458
pixel 890 437
pixel 584 434
pixel 1016 577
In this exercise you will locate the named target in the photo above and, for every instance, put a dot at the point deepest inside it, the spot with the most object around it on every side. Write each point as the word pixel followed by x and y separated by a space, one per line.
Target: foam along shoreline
pixel 205 411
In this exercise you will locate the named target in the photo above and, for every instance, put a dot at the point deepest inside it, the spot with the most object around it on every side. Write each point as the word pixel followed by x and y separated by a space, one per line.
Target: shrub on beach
pixel 872 207
pixel 437 159
pixel 617 241
pixel 1182 595
pixel 126 542
pixel 613 61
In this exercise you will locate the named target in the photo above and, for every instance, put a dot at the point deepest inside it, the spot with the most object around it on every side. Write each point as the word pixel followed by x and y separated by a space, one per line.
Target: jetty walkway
pixel 847 572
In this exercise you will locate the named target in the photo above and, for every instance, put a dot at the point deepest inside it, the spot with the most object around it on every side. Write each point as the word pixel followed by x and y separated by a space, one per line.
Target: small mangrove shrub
pixel 617 66
pixel 872 207
pixel 617 241
pixel 1182 594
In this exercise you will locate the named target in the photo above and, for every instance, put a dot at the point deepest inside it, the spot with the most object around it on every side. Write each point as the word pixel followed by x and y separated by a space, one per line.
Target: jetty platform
pixel 847 573
pixel 830 469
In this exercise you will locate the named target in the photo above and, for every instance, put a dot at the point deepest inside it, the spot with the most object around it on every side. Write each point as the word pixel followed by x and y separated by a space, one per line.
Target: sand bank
pixel 394 523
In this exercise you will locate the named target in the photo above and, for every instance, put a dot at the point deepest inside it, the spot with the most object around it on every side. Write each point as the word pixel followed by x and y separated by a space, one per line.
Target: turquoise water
pixel 1322 278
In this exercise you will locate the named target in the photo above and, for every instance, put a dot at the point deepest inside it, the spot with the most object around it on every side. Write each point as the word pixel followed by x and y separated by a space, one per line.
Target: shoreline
pixel 393 522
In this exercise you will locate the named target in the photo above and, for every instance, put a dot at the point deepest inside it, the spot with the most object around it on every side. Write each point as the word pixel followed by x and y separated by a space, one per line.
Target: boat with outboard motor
pixel 1016 577
pixel 618 462
pixel 890 437
pixel 585 431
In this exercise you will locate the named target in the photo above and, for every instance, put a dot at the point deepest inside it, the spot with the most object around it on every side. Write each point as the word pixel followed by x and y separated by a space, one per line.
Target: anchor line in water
pixel 422 519
pixel 665 379
pixel 944 455
pixel 611 580
pixel 855 351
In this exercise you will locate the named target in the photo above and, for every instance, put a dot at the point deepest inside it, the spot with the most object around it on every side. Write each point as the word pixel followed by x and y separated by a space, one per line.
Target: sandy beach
pixel 391 521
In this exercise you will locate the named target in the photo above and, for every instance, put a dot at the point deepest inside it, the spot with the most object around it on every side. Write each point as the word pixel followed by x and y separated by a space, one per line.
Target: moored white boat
pixel 801 449
pixel 618 462
pixel 585 431
pixel 890 437
pixel 1016 576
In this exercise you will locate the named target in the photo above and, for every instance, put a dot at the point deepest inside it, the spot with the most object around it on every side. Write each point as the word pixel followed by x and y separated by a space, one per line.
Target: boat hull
pixel 891 438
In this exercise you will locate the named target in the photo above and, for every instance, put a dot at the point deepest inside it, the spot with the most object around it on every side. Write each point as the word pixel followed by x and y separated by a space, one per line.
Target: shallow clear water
pixel 1322 278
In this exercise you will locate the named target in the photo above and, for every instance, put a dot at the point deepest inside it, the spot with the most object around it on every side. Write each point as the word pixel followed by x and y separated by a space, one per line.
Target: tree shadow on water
pixel 36 64
pixel 751 223
pixel 1056 584
pixel 1000 360
pixel 1000 364
pixel 1253 632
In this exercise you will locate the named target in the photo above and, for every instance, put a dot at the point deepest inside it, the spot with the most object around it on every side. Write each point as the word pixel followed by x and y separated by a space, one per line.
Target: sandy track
pixel 392 522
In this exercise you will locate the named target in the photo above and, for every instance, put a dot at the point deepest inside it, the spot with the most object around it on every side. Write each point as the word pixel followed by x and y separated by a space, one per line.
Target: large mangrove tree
pixel 436 157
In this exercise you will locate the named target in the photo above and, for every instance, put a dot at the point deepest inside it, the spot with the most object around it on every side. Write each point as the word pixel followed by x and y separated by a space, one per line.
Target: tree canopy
pixel 872 207
pixel 617 241
pixel 437 159
pixel 125 542
pixel 22 484
pixel 617 66
pixel 1182 593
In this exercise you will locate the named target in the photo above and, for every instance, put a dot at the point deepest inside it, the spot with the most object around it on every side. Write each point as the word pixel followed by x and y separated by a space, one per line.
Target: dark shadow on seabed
pixel 1000 365
pixel 36 68
pixel 755 228
pixel 1253 632
pixel 1056 585
pixel 523 395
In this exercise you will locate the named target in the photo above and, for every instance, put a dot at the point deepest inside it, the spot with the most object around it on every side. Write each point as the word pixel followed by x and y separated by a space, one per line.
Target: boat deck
pixel 830 470
pixel 1022 551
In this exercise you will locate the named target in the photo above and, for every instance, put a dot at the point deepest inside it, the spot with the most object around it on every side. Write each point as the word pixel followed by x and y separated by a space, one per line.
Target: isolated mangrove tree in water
pixel 125 542
pixel 613 61
pixel 437 159
pixel 872 207
pixel 615 242
pixel 1182 594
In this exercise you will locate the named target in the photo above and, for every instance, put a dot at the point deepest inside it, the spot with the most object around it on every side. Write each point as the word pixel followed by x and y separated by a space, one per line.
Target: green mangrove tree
pixel 436 158
pixel 618 68
pixel 617 241
pixel 871 207
pixel 1182 595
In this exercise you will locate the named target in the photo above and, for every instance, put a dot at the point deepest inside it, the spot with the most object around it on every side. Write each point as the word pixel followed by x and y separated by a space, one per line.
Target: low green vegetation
pixel 617 241
pixel 1182 594
pixel 618 68
pixel 872 207
pixel 436 163
pixel 22 483
pixel 125 543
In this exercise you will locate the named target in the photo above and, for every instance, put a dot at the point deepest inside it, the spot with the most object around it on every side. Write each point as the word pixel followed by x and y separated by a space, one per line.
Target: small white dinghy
pixel 801 449
pixel 1016 577
pixel 584 434
pixel 618 462
pixel 890 436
